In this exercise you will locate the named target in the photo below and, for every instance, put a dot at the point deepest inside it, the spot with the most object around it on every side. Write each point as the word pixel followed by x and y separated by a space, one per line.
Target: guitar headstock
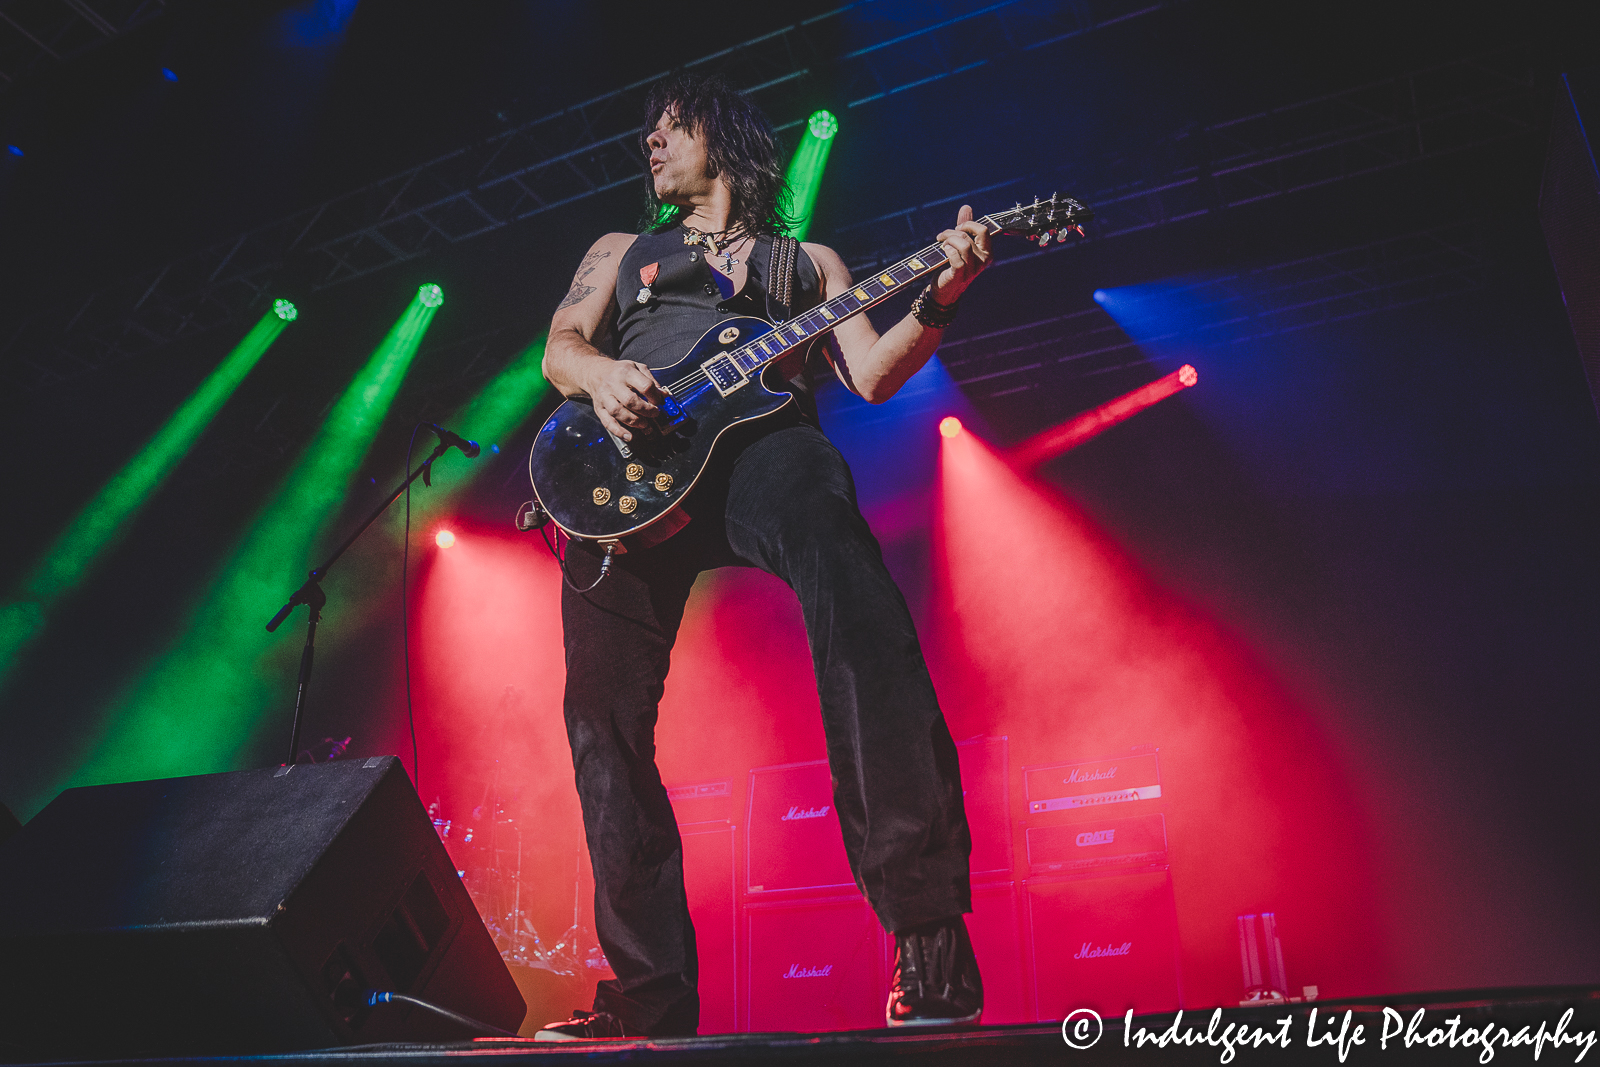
pixel 1042 220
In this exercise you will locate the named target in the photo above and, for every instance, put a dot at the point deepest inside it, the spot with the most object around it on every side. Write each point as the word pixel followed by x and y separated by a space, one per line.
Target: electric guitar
pixel 597 487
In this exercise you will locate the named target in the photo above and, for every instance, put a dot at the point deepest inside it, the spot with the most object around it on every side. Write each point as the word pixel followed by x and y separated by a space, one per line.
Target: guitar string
pixel 700 374
pixel 810 332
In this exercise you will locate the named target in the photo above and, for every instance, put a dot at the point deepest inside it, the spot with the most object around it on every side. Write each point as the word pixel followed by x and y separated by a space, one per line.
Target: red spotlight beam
pixel 1075 431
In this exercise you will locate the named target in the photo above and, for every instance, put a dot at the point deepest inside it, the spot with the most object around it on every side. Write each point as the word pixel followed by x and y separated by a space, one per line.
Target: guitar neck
pixel 788 336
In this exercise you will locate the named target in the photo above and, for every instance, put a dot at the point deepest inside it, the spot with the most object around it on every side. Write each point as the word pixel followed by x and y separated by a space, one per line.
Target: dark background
pixel 1399 513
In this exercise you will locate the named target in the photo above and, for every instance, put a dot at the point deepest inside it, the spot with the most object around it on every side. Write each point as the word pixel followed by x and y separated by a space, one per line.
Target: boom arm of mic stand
pixel 302 595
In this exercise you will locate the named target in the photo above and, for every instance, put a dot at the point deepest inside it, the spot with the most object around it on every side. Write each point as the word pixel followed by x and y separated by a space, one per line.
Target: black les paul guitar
pixel 600 488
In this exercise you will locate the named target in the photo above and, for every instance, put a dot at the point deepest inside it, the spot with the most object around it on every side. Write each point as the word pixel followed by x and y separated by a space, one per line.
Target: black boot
pixel 585 1026
pixel 936 977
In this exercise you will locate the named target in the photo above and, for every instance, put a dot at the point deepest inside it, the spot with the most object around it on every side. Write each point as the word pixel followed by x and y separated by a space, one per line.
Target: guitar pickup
pixel 724 375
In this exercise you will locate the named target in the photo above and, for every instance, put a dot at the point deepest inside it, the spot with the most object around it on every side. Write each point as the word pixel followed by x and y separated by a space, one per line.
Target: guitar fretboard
pixel 825 316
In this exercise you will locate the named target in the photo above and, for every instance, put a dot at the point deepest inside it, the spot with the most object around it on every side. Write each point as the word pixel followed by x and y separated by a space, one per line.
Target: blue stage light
pixel 1099 296
pixel 13 149
pixel 495 449
pixel 169 74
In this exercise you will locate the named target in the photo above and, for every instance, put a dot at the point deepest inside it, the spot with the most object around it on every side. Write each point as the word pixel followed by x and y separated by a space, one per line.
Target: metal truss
pixel 445 376
pixel 1371 128
pixel 537 167
pixel 38 33
pixel 1284 298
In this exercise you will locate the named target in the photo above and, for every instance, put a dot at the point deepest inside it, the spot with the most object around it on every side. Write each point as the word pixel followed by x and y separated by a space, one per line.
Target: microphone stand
pixel 311 594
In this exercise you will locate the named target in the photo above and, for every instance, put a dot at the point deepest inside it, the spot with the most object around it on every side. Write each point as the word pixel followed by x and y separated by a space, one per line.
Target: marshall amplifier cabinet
pixel 1104 942
pixel 793 833
pixel 815 965
pixel 985 783
pixel 1077 787
pixel 1101 843
pixel 708 879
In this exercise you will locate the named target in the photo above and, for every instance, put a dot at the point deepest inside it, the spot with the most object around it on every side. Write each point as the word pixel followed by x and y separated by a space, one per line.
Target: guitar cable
pixel 605 563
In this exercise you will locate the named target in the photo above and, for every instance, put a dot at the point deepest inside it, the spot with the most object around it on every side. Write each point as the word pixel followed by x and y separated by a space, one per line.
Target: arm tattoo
pixel 576 295
pixel 580 292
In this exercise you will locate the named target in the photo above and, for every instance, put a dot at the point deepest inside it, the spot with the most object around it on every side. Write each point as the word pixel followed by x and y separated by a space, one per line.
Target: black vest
pixel 685 302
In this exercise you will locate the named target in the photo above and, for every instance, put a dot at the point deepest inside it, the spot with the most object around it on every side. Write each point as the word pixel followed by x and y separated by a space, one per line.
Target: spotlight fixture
pixel 285 310
pixel 822 125
pixel 432 296
pixel 444 539
pixel 949 426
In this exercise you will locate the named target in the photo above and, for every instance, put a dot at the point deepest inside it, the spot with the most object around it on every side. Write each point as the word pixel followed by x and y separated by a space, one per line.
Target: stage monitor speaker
pixel 815 965
pixel 708 880
pixel 239 913
pixel 1108 943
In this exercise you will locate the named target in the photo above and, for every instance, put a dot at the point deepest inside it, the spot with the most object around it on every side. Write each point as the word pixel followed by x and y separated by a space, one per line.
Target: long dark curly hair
pixel 740 147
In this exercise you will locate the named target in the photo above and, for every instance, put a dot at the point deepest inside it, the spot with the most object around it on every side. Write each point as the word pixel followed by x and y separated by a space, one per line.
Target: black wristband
pixel 932 314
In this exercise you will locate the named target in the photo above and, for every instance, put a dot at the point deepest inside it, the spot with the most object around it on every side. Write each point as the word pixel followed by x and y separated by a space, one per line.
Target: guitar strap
pixel 780 298
pixel 780 272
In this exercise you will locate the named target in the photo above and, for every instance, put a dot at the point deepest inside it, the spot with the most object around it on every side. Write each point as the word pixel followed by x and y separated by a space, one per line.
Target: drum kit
pixel 505 869
pixel 489 855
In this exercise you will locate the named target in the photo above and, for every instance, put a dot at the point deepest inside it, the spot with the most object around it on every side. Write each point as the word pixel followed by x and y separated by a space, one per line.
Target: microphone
pixel 450 439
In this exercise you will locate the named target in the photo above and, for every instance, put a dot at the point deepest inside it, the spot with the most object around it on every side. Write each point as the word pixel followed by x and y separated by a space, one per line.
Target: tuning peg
pixel 1044 238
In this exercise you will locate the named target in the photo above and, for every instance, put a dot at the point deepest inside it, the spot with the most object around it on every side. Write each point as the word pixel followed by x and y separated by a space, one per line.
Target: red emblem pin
pixel 647 275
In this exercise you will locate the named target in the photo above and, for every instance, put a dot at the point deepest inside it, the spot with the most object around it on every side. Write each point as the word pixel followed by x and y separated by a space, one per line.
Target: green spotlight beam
pixel 805 169
pixel 508 400
pixel 99 525
pixel 497 412
pixel 198 707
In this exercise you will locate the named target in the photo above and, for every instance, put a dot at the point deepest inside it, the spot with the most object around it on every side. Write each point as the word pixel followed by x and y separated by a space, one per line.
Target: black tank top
pixel 684 302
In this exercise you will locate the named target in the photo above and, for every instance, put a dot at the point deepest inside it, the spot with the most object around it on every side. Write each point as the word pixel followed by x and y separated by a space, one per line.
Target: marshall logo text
pixel 797 971
pixel 796 812
pixel 1091 951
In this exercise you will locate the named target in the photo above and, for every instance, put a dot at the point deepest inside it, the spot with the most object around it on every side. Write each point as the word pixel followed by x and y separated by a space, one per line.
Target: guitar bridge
pixel 672 413
pixel 724 374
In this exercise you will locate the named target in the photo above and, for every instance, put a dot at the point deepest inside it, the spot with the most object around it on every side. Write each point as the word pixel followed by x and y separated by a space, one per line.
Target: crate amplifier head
pixel 1098 844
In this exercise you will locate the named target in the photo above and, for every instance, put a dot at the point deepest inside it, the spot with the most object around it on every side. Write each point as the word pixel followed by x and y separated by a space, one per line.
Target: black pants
pixel 784 502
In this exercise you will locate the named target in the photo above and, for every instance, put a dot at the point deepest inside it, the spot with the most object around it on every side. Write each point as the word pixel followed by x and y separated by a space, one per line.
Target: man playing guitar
pixel 777 495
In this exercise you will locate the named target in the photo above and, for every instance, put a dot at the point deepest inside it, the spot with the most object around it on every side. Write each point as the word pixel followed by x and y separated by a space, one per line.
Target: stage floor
pixel 1544 1026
